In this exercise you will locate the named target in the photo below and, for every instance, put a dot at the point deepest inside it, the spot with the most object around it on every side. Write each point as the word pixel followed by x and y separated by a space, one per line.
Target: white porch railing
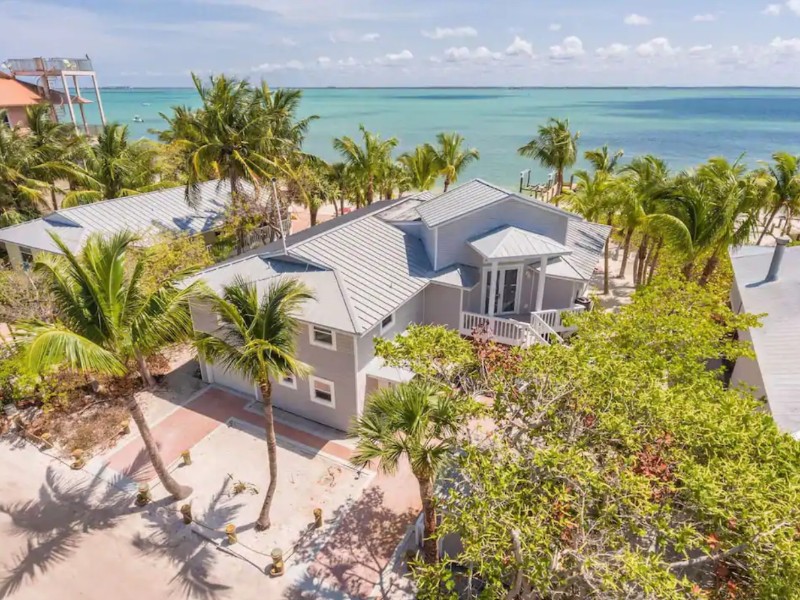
pixel 554 318
pixel 541 327
pixel 504 331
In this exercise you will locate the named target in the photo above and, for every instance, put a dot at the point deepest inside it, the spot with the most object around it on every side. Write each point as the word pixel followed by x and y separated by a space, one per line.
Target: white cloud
pixel 520 47
pixel 700 49
pixel 292 65
pixel 705 18
pixel 399 56
pixel 348 62
pixel 772 10
pixel 785 46
pixel 570 48
pixel 613 51
pixel 554 27
pixel 323 61
pixel 636 20
pixel 794 6
pixel 345 36
pixel 287 41
pixel 659 46
pixel 479 54
pixel 441 33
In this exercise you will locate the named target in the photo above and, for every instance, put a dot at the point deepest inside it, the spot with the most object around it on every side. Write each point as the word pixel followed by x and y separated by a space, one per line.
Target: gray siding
pixel 334 365
pixel 428 238
pixel 557 293
pixel 442 305
pixel 453 236
pixel 472 299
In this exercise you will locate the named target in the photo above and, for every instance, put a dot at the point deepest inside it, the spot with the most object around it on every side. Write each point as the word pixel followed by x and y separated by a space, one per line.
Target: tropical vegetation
pixel 257 339
pixel 106 323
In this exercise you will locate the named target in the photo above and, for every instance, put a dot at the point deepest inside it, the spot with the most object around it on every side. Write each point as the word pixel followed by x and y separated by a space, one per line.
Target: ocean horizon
pixel 684 125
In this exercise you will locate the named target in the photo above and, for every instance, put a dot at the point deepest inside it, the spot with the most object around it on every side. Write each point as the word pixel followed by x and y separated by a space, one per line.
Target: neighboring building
pixel 424 259
pixel 37 80
pixel 767 282
pixel 149 215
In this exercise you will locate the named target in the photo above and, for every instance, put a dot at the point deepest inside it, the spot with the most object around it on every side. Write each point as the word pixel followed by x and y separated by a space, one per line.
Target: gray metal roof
pixel 403 211
pixel 777 341
pixel 328 308
pixel 381 266
pixel 146 214
pixel 462 276
pixel 587 240
pixel 471 196
pixel 508 243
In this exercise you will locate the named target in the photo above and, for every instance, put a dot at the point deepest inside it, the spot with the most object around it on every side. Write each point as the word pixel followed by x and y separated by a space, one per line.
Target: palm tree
pixel 366 162
pixel 451 158
pixel 20 189
pixel 785 173
pixel 257 339
pixel 556 147
pixel 115 167
pixel 415 421
pixel 106 323
pixel 420 167
pixel 602 160
pixel 595 198
pixel 714 209
pixel 650 183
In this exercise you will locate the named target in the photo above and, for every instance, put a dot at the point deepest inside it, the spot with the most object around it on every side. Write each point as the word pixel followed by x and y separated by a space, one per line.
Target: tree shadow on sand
pixel 353 561
pixel 55 524
pixel 190 549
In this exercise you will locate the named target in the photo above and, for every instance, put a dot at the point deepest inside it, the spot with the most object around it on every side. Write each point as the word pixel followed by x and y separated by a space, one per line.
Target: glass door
pixel 506 295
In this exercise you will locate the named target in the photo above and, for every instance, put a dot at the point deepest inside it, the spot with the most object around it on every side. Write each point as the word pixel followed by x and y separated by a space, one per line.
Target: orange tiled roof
pixel 14 93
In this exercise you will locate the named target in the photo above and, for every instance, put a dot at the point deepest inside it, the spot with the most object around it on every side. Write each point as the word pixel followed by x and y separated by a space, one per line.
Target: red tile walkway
pixel 189 424
pixel 355 556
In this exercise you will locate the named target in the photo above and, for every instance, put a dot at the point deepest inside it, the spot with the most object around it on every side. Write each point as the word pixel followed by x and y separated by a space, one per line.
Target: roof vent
pixel 777 258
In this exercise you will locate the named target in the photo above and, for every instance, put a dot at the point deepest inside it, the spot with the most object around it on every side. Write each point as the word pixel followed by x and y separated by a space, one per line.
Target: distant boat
pixel 137 119
pixel 145 104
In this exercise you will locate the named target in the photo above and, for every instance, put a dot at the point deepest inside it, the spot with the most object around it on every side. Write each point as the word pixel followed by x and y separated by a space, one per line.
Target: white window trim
pixel 520 280
pixel 293 385
pixel 314 342
pixel 391 323
pixel 311 386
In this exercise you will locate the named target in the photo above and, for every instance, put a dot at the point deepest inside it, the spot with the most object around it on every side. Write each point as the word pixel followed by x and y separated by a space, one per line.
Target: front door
pixel 506 294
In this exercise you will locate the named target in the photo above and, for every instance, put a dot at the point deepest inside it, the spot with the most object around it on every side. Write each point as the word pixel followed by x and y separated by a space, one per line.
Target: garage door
pixel 230 380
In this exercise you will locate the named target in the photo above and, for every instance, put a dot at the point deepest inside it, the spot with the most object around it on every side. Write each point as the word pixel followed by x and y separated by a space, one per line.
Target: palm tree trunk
pixel 263 521
pixel 312 215
pixel 768 224
pixel 53 198
pixel 176 490
pixel 787 228
pixel 429 550
pixel 144 371
pixel 709 269
pixel 640 263
pixel 559 183
pixel 446 183
pixel 654 260
pixel 605 257
pixel 625 252
pixel 370 191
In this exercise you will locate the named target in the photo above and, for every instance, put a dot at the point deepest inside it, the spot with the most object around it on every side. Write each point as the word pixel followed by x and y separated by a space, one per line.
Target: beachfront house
pixel 149 215
pixel 475 258
pixel 766 281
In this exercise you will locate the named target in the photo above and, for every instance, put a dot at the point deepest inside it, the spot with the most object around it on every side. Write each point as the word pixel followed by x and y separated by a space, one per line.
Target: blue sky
pixel 417 42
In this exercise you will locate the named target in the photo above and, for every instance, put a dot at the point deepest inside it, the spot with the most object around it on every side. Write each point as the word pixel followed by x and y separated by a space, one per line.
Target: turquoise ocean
pixel 685 126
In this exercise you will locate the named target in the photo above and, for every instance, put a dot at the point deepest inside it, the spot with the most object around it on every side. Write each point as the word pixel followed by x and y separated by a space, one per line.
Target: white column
pixel 493 290
pixel 69 101
pixel 80 104
pixel 540 283
pixel 99 101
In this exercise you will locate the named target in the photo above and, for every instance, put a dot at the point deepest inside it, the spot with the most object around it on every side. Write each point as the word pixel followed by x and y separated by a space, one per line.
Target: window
pixel 290 381
pixel 321 336
pixel 27 257
pixel 322 392
pixel 387 322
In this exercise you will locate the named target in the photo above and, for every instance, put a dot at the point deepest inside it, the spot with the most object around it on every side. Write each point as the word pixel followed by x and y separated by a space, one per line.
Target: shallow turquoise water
pixel 685 126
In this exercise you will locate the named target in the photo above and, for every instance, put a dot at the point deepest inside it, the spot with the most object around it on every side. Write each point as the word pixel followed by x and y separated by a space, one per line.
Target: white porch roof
pixel 378 368
pixel 509 243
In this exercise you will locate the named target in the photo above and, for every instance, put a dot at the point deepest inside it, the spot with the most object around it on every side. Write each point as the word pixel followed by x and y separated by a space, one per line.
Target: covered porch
pixel 528 286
